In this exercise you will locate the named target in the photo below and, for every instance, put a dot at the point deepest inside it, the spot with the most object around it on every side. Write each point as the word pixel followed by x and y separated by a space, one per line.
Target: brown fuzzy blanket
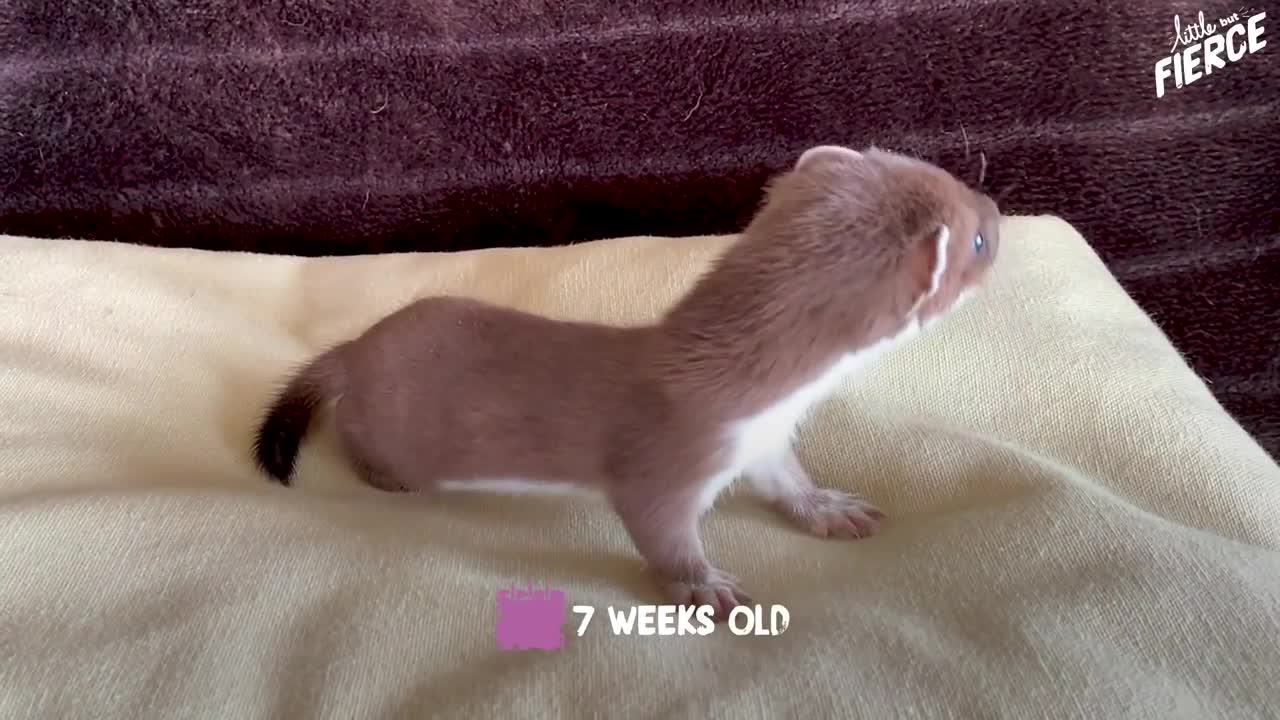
pixel 319 127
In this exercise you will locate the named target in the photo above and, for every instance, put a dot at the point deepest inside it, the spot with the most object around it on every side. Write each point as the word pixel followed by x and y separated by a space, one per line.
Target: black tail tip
pixel 275 450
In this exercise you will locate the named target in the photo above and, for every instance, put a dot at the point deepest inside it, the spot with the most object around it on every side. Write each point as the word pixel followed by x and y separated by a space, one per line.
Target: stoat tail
pixel 275 448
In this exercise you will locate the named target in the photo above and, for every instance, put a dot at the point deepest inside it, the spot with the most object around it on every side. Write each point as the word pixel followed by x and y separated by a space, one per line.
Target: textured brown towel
pixel 314 127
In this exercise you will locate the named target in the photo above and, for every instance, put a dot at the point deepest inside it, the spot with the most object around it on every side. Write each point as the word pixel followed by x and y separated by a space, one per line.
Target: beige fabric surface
pixel 1076 529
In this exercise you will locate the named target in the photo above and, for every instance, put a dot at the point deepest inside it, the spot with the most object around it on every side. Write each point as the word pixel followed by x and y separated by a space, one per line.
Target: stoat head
pixel 887 241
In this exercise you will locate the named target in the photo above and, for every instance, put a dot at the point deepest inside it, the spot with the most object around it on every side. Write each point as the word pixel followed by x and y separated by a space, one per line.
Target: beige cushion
pixel 1076 528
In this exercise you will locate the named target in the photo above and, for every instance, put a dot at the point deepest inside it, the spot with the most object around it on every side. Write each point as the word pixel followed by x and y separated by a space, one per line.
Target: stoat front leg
pixel 784 483
pixel 664 528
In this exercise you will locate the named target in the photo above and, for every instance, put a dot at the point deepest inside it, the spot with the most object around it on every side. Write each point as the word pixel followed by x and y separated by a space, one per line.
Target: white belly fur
pixel 769 434
pixel 514 486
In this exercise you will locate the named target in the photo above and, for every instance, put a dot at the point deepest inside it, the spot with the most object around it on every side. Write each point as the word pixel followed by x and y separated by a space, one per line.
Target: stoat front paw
pixel 717 589
pixel 833 513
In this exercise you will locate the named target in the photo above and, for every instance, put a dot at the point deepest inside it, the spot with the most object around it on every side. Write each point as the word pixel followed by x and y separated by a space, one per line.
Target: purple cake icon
pixel 531 619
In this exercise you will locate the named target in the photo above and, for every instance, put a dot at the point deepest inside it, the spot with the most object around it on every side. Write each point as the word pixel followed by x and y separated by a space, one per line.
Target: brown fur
pixel 839 257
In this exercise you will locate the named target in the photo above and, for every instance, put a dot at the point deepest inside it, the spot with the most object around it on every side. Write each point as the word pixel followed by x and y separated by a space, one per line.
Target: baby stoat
pixel 850 253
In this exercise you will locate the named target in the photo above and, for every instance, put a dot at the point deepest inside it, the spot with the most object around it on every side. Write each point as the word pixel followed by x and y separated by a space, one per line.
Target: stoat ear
pixel 826 153
pixel 929 264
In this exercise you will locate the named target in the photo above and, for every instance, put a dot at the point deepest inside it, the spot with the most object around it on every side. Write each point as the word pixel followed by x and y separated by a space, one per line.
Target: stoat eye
pixel 979 244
